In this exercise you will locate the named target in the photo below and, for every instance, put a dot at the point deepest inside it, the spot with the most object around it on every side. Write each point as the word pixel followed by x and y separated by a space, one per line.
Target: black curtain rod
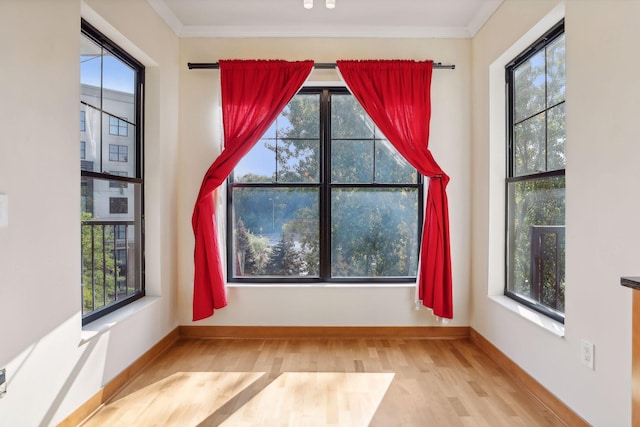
pixel 317 66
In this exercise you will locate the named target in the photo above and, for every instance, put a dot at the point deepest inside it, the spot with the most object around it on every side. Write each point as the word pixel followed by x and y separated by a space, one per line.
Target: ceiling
pixel 350 18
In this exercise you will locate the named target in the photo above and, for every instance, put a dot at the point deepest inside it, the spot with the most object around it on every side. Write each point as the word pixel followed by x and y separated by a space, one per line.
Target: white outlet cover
pixel 587 353
pixel 4 210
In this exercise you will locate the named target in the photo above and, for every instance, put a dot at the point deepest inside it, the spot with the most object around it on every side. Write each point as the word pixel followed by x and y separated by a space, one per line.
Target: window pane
pixel 556 158
pixel 118 139
pixel 90 71
pixel 111 244
pixel 113 125
pixel 529 87
pixel 98 195
pixel 535 205
pixel 374 232
pixel 258 165
pixel 298 160
pixel 556 80
pixel 529 150
pixel 352 161
pixel 91 137
pixel 391 167
pixel 275 232
pixel 300 118
pixel 118 96
pixel 348 119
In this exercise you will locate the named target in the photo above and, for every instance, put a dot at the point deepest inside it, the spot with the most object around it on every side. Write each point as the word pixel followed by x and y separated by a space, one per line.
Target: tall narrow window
pixel 111 83
pixel 535 184
pixel 323 196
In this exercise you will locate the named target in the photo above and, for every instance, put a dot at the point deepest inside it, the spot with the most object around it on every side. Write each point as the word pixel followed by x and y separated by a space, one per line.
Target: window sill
pixel 320 285
pixel 105 323
pixel 534 317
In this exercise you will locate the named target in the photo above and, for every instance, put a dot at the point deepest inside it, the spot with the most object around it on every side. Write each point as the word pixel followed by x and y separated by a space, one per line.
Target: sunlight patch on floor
pixel 181 399
pixel 315 399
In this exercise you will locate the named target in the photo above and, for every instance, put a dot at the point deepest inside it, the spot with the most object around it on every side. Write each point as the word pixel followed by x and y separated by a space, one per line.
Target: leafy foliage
pixel 101 277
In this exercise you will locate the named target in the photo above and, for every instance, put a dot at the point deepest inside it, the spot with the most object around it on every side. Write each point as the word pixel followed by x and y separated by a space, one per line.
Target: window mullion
pixel 325 186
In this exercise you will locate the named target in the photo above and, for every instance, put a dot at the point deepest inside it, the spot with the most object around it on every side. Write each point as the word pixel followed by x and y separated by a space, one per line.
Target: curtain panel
pixel 397 96
pixel 253 93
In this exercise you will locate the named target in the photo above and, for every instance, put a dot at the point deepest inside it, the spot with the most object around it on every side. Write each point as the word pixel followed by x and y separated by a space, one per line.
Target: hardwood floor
pixel 323 382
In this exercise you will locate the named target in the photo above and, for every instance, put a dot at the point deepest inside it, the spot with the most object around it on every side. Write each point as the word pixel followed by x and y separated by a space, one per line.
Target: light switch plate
pixel 4 210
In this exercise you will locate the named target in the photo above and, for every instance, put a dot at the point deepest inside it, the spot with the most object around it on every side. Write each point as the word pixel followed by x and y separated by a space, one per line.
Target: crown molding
pixel 306 31
pixel 484 13
pixel 167 15
pixel 337 31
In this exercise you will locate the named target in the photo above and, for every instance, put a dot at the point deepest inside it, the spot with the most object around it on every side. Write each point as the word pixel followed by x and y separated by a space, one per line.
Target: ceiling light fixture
pixel 308 4
pixel 331 4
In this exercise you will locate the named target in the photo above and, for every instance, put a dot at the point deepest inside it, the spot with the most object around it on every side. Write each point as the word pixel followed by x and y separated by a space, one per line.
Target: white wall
pixel 325 305
pixel 53 366
pixel 601 201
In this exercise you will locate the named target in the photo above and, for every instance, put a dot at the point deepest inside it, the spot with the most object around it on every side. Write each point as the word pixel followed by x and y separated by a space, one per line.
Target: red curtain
pixel 397 96
pixel 253 94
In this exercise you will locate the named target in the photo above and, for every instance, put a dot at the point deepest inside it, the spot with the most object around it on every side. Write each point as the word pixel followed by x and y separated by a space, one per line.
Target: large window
pixel 323 196
pixel 111 175
pixel 535 184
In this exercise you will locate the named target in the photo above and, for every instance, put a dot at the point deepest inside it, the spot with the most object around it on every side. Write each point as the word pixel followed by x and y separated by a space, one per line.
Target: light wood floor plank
pixel 323 382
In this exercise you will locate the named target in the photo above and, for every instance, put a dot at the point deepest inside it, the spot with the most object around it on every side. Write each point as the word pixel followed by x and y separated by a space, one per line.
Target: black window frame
pixel 539 45
pixel 324 186
pixel 105 43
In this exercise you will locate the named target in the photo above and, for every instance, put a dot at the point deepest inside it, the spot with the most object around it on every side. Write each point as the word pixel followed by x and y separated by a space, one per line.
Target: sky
pixel 116 75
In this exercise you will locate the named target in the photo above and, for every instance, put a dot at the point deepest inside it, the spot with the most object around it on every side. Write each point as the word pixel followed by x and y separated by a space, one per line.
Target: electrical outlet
pixel 587 353
pixel 4 210
pixel 3 381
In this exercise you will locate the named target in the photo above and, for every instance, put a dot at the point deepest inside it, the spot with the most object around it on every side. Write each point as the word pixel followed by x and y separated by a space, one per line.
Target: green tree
pixel 100 274
pixel 285 259
pixel 252 252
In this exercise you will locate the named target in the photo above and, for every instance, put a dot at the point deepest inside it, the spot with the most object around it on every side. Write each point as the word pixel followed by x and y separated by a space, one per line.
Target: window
pixel 118 153
pixel 323 196
pixel 117 126
pixel 118 205
pixel 535 184
pixel 111 83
